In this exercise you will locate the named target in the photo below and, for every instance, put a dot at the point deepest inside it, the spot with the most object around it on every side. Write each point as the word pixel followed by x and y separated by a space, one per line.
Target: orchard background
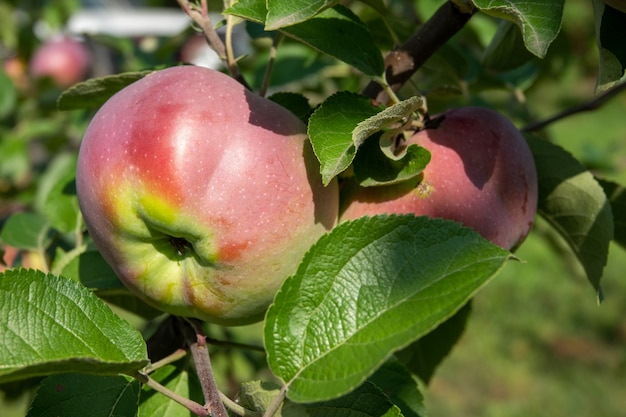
pixel 536 341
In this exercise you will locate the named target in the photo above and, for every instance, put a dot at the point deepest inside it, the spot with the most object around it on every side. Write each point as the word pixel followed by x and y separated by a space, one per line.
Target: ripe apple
pixel 201 195
pixel 481 174
pixel 64 60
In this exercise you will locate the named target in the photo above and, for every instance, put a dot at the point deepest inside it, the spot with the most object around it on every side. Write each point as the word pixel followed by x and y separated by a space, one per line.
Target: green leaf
pixel 283 13
pixel 365 401
pixel 617 196
pixel 61 205
pixel 426 354
pixel 575 205
pixel 339 33
pixel 392 115
pixel 95 92
pixel 539 20
pixel 295 103
pixel 506 50
pixel 373 167
pixel 253 10
pixel 178 380
pixel 26 231
pixel 401 387
pixel 610 34
pixel 77 395
pixel 8 95
pixel 92 271
pixel 55 325
pixel 367 289
pixel 330 130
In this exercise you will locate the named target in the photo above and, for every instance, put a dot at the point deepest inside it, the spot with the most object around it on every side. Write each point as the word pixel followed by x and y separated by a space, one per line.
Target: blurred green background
pixel 537 342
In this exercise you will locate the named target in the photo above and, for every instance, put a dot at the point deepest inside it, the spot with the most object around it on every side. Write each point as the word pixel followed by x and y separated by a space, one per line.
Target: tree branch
pixel 587 106
pixel 200 16
pixel 197 345
pixel 405 60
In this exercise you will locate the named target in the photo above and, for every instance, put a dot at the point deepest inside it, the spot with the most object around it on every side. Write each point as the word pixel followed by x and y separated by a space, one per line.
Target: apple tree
pixel 301 229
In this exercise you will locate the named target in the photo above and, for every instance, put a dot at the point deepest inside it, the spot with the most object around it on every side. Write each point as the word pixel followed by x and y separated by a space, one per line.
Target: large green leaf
pixel 539 20
pixel 367 289
pixel 77 395
pixel 339 33
pixel 575 204
pixel 55 325
pixel 617 196
pixel 610 35
pixel 426 354
pixel 401 387
pixel 281 13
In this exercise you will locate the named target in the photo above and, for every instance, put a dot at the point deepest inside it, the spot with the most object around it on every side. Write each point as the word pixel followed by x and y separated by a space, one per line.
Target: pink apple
pixel 201 195
pixel 64 60
pixel 481 174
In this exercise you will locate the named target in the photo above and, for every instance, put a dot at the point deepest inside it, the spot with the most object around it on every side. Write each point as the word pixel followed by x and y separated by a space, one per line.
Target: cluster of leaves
pixel 377 303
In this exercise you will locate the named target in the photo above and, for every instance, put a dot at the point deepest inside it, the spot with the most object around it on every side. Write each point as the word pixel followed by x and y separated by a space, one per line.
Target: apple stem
pixel 276 403
pixel 196 340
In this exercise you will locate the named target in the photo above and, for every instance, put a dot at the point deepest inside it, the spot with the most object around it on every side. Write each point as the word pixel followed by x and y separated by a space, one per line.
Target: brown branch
pixel 405 60
pixel 200 16
pixel 587 106
pixel 197 345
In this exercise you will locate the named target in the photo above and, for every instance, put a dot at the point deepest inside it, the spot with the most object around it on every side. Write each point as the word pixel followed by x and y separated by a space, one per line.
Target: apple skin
pixel 64 60
pixel 201 195
pixel 481 174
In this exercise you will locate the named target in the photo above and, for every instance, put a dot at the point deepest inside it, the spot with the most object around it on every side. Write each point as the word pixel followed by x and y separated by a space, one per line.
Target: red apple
pixel 201 195
pixel 481 174
pixel 64 60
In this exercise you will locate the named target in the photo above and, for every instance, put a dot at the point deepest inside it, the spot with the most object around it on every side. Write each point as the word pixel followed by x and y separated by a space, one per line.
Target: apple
pixel 201 195
pixel 64 60
pixel 481 174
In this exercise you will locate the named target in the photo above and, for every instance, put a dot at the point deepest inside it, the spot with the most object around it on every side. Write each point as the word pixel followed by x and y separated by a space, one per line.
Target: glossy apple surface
pixel 201 195
pixel 64 60
pixel 481 174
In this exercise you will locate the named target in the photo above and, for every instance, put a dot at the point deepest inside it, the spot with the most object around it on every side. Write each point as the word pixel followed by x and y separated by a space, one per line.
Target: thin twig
pixel 276 403
pixel 587 106
pixel 191 405
pixel 197 345
pixel 270 64
pixel 203 20
pixel 405 60
pixel 171 358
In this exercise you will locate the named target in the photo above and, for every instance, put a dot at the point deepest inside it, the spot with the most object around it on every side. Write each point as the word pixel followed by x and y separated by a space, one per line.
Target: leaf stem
pixel 276 402
pixel 194 335
pixel 191 405
pixel 270 64
pixel 171 358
